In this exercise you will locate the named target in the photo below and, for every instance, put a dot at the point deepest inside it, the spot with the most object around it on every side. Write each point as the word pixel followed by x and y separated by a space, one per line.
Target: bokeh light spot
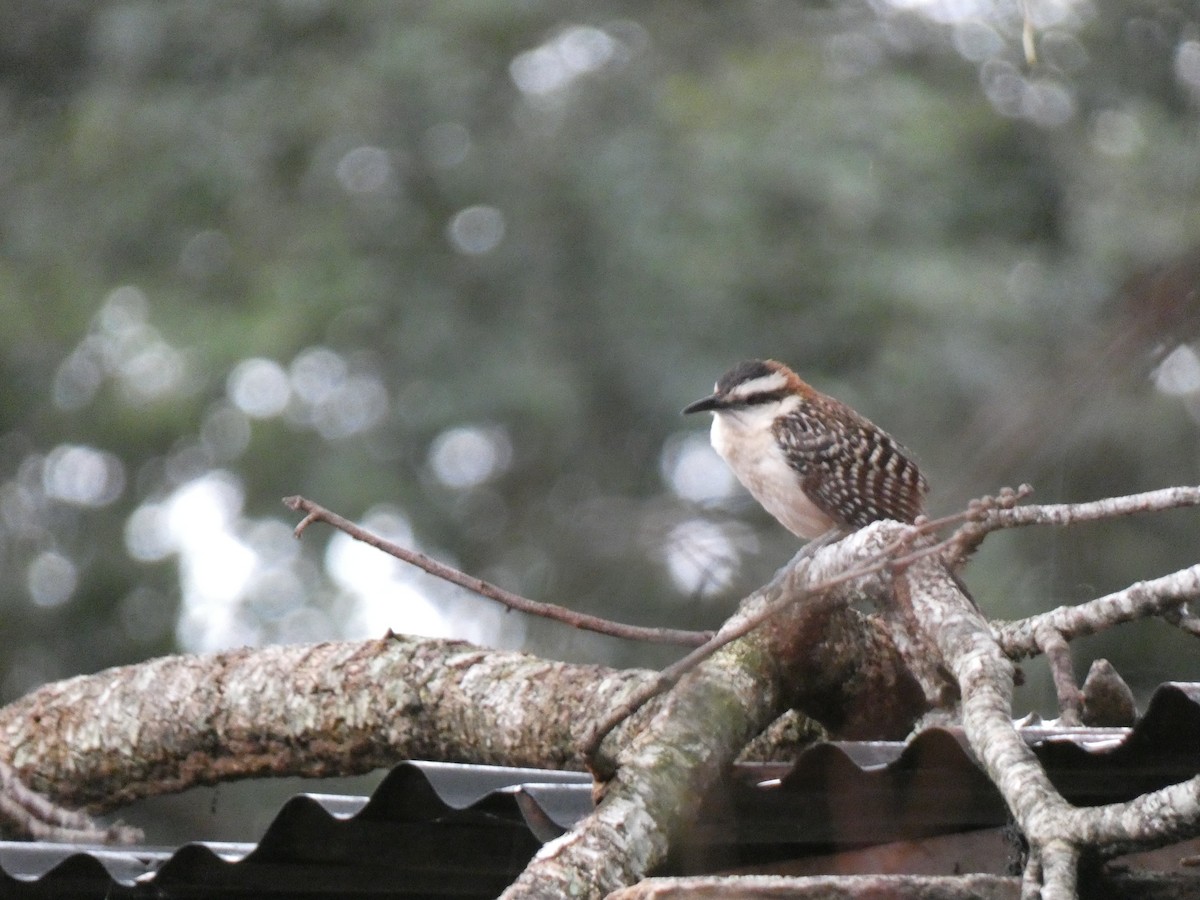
pixel 316 372
pixel 120 344
pixel 259 388
pixel 206 254
pixel 146 536
pixel 468 456
pixel 694 471
pixel 152 370
pixel 1179 372
pixel 77 380
pixel 476 230
pixel 358 404
pixel 125 308
pixel 364 170
pixel 1116 133
pixel 52 579
pixel 555 64
pixel 702 557
pixel 1187 65
pixel 225 432
pixel 83 476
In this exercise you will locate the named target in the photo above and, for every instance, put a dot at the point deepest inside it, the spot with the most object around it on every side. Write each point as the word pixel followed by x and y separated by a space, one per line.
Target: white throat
pixel 745 439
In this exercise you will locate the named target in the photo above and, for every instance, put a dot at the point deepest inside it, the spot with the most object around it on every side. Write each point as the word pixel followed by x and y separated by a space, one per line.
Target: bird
pixel 811 461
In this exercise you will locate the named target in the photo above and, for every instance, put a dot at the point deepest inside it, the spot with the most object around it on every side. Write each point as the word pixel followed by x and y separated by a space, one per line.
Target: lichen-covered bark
pixel 665 770
pixel 326 709
pixel 831 887
pixel 101 741
pixel 1057 832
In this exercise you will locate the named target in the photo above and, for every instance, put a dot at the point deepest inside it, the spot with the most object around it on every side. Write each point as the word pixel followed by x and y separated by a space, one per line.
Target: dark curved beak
pixel 706 405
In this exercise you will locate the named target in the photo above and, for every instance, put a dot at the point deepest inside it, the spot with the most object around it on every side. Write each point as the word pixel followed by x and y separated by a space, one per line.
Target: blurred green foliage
pixel 462 264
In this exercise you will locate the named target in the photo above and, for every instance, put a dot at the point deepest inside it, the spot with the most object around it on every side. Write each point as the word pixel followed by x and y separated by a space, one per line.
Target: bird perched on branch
pixel 811 461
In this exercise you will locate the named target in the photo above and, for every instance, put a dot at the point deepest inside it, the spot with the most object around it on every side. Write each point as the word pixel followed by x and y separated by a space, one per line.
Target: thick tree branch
pixel 667 768
pixel 800 590
pixel 162 726
pixel 831 887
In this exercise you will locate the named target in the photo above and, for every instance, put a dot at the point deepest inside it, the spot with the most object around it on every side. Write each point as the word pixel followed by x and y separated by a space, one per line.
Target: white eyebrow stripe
pixel 764 384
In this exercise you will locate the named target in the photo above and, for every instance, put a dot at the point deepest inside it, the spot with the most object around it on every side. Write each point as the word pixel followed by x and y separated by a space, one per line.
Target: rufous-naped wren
pixel 812 462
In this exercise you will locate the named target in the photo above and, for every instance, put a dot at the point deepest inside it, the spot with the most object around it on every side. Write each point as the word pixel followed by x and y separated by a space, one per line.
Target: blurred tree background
pixel 453 268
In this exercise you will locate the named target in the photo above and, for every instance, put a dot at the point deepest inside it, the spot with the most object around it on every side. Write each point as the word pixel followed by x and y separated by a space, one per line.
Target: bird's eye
pixel 760 398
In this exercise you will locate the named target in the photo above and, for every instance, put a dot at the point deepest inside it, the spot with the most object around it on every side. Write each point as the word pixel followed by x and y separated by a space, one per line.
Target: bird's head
pixel 754 387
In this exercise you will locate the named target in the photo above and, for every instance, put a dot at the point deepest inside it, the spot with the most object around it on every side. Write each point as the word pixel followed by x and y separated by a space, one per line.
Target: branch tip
pixel 298 531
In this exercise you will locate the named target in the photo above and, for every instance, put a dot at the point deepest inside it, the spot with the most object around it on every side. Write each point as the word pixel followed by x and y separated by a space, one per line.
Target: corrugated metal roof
pixel 442 830
pixel 428 830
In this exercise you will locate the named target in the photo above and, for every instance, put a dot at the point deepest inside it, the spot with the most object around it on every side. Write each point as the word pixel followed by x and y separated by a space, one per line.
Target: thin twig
pixel 316 513
pixel 959 546
pixel 1028 37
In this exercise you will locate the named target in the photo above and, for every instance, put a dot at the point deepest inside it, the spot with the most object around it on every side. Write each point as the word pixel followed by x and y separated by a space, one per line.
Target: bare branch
pixel 985 676
pixel 1092 511
pixel 957 548
pixel 994 513
pixel 821 887
pixel 1156 597
pixel 1058 654
pixel 1160 817
pixel 1057 832
pixel 317 513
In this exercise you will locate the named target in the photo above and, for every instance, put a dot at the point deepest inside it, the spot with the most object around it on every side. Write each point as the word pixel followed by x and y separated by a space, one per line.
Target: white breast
pixel 745 441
